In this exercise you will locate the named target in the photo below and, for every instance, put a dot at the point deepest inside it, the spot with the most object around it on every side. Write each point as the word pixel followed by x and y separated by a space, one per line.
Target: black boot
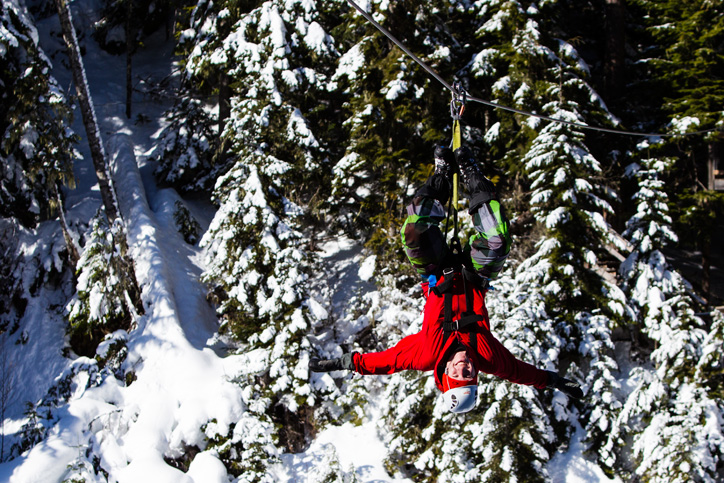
pixel 436 187
pixel 444 162
pixel 480 188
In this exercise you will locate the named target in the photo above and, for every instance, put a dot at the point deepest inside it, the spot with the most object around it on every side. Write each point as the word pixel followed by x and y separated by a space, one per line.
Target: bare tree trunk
pixel 72 250
pixel 224 101
pixel 716 161
pixel 716 153
pixel 615 49
pixel 98 155
pixel 88 113
pixel 129 56
pixel 706 269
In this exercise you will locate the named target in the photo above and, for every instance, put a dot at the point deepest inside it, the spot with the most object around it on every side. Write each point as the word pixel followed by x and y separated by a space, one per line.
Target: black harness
pixel 468 321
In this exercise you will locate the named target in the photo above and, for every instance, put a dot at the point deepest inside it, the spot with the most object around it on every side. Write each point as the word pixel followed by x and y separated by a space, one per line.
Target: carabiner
pixel 457 105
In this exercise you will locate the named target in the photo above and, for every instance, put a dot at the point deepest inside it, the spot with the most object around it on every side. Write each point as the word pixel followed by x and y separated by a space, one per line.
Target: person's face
pixel 461 367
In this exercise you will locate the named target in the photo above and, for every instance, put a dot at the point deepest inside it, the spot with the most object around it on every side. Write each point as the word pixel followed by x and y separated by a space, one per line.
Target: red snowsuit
pixel 425 350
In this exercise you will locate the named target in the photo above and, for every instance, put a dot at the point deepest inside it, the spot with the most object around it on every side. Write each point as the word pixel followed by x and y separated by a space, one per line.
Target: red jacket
pixel 424 351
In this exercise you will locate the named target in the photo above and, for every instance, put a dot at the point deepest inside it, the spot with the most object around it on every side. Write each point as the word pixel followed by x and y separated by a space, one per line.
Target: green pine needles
pixel 100 306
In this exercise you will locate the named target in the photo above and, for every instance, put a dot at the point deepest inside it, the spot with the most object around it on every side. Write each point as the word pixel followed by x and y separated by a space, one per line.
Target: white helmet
pixel 460 399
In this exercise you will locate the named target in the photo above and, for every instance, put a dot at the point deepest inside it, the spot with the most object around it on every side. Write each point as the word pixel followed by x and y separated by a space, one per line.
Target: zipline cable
pixel 449 87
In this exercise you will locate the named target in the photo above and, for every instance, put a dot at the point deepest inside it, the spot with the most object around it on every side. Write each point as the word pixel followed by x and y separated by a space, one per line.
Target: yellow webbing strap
pixel 455 144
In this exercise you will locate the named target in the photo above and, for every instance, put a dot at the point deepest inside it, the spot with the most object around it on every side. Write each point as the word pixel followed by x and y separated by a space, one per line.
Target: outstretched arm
pixel 408 354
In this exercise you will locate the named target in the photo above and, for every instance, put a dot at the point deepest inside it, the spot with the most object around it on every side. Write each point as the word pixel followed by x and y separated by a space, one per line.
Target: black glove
pixel 329 365
pixel 565 385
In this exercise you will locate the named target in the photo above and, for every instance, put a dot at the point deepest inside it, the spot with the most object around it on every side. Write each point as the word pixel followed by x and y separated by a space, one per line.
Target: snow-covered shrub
pixel 186 147
pixel 12 301
pixel 186 224
pixel 41 416
pixel 34 430
pixel 31 262
pixel 101 303
pixel 246 448
pixel 110 356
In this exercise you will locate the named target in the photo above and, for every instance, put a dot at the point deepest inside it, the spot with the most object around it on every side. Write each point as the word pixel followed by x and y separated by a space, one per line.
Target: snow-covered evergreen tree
pixel 36 159
pixel 256 252
pixel 690 34
pixel 37 144
pixel 682 41
pixel 584 307
pixel 101 304
pixel 563 297
pixel 186 146
pixel 669 414
pixel 189 144
pixel 276 56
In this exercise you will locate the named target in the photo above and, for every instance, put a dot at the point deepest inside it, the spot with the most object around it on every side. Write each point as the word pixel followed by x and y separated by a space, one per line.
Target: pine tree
pixel 188 152
pixel 100 305
pixel 561 284
pixel 518 319
pixel 186 147
pixel 37 144
pixel 666 414
pixel 683 51
pixel 37 147
pixel 272 142
pixel 276 56
pixel 126 287
pixel 691 34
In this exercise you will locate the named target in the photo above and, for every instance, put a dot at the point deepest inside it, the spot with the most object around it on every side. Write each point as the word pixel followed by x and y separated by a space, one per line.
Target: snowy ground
pixel 183 375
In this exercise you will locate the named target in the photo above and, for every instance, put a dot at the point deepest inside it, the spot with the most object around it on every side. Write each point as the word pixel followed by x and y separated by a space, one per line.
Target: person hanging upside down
pixel 455 341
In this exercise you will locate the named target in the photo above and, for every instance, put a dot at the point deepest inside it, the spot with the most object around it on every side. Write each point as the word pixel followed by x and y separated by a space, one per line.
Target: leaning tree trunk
pixel 87 112
pixel 70 244
pixel 98 155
